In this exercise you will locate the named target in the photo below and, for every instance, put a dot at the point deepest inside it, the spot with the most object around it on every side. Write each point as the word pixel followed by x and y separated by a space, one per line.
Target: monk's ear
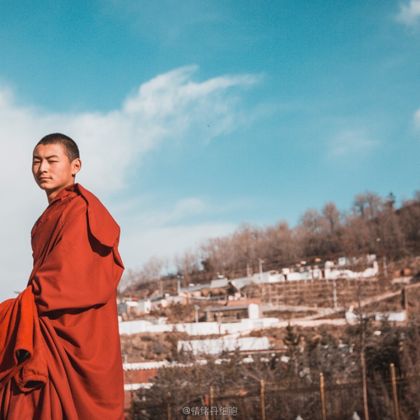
pixel 76 165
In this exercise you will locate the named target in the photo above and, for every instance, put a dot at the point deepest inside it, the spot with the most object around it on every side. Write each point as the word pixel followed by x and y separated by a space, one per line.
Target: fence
pixel 382 400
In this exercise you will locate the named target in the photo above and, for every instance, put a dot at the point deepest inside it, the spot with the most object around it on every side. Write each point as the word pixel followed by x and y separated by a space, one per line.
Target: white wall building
pixel 229 343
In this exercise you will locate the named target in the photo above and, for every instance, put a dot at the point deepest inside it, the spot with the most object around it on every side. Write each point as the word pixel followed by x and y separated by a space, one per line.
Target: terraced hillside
pixel 319 293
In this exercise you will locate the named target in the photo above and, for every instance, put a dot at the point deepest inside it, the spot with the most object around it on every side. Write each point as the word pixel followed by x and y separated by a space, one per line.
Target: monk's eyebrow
pixel 46 157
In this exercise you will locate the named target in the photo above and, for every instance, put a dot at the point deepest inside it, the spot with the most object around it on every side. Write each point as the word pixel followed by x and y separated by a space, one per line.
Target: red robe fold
pixel 60 354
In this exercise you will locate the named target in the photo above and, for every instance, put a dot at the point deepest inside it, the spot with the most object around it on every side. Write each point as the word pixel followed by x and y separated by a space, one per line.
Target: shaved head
pixel 70 146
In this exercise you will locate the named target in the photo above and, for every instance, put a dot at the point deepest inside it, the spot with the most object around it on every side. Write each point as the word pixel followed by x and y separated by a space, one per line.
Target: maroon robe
pixel 60 354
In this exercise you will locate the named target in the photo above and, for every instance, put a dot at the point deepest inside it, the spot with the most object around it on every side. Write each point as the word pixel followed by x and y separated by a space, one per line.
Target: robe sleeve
pixel 21 354
pixel 79 272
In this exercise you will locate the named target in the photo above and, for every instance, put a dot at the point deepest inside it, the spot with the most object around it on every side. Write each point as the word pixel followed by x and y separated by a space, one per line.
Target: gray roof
pixel 225 308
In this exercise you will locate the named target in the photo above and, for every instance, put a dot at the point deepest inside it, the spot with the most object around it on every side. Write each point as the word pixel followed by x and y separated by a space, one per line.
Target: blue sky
pixel 196 116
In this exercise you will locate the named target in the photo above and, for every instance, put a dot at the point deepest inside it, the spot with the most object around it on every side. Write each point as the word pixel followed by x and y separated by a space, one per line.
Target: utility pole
pixel 322 395
pixel 385 267
pixel 260 262
pixel 335 295
pixel 363 359
pixel 248 270
pixel 364 384
pixel 262 399
pixel 394 392
pixel 384 263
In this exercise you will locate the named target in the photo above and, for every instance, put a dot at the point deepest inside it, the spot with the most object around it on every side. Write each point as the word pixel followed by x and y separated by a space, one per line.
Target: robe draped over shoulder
pixel 60 352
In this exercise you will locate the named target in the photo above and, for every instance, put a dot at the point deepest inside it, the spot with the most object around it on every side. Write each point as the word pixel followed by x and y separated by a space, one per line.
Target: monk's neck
pixel 52 195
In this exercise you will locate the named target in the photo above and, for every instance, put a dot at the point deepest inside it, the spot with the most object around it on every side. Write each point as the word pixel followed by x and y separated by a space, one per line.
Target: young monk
pixel 59 344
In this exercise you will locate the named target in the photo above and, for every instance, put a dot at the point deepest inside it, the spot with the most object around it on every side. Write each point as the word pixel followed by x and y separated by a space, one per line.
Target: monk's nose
pixel 43 167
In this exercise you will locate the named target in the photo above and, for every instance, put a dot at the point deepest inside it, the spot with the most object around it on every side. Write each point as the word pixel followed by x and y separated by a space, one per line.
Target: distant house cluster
pixel 240 314
pixel 230 289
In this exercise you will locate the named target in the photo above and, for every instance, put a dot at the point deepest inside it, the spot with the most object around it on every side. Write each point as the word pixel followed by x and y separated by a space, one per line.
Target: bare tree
pixel 368 205
pixel 332 217
pixel 186 265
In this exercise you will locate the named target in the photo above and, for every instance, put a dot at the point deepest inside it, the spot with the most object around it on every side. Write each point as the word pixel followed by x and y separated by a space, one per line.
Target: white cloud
pixel 179 212
pixel 167 241
pixel 417 119
pixel 180 19
pixel 409 13
pixel 170 107
pixel 187 207
pixel 351 143
pixel 167 232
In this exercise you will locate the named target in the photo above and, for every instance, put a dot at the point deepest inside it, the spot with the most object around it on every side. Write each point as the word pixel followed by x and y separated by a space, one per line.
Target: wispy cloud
pixel 351 142
pixel 171 107
pixel 417 119
pixel 167 20
pixel 168 241
pixel 166 108
pixel 178 212
pixel 409 13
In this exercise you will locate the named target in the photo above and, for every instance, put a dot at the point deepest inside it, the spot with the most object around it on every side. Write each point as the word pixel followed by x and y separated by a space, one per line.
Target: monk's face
pixel 52 168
